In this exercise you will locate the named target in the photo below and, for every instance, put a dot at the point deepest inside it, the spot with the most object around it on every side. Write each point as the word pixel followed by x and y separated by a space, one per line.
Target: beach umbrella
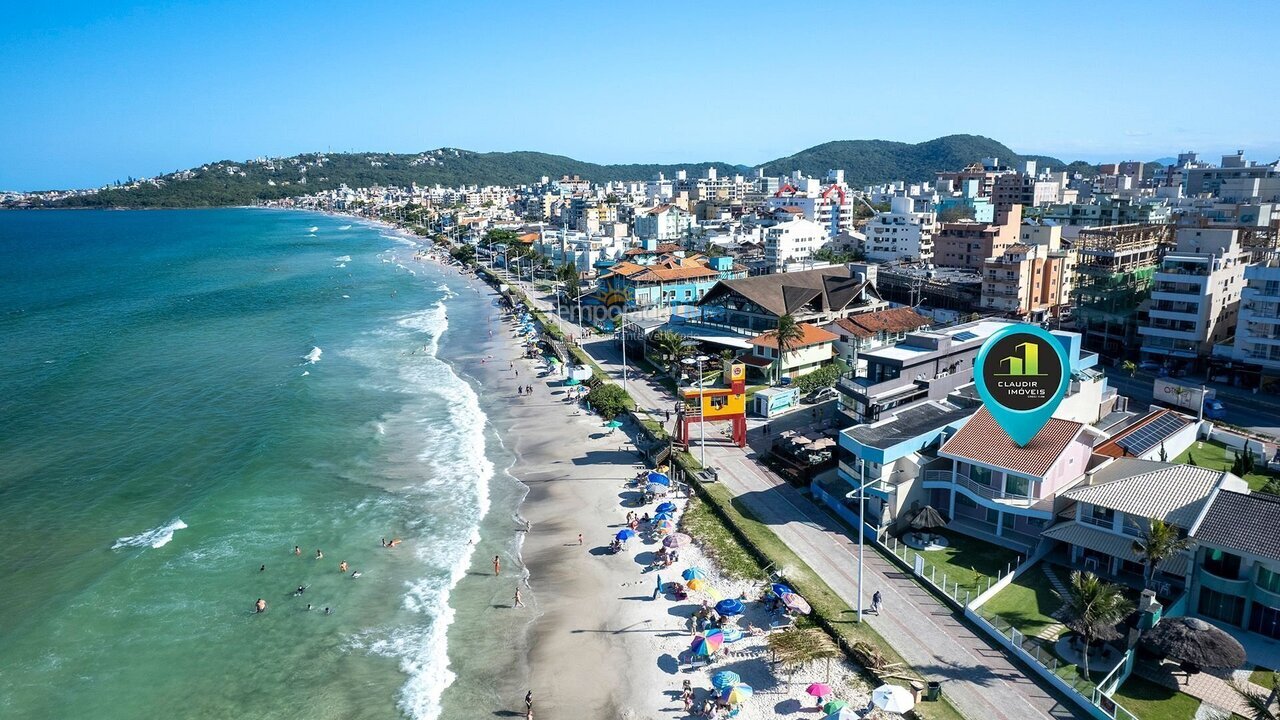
pixel 625 534
pixel 892 698
pixel 572 381
pixel 818 690
pixel 724 679
pixel 1194 642
pixel 779 589
pixel 736 694
pixel 707 645
pixel 844 713
pixel 795 603
pixel 697 584
pixel 666 507
pixel 663 516
pixel 730 606
pixel 656 489
pixel 928 519
pixel 666 526
pixel 834 706
pixel 693 573
pixel 657 477
pixel 613 424
pixel 676 540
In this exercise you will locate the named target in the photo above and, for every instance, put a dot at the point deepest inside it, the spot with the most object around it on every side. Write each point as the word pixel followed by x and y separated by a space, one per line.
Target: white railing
pixel 978 488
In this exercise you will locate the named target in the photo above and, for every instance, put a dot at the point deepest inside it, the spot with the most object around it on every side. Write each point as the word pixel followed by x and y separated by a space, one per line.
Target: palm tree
pixel 788 335
pixel 1129 367
pixel 1093 609
pixel 671 347
pixel 1157 543
pixel 1259 704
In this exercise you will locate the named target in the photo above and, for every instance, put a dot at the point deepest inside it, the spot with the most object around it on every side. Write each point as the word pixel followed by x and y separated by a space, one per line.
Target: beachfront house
pixel 1236 578
pixel 1100 518
pixel 751 305
pixel 812 351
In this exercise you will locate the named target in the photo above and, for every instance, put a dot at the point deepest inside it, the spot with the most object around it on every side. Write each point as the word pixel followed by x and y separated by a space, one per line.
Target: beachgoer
pixel 308 607
pixel 319 555
pixel 876 601
pixel 355 574
pixel 328 611
pixel 497 565
pixel 519 390
pixel 342 566
pixel 528 699
pixel 262 569
pixel 297 550
pixel 301 589
pixel 384 542
pixel 519 602
pixel 260 606
pixel 579 538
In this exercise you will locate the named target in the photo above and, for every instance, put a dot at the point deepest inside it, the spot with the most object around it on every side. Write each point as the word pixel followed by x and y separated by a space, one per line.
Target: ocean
pixel 185 396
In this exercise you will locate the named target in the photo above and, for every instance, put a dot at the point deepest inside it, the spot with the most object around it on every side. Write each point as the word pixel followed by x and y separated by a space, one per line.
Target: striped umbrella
pixel 666 526
pixel 693 573
pixel 676 540
pixel 796 603
pixel 724 679
pixel 736 694
pixel 707 645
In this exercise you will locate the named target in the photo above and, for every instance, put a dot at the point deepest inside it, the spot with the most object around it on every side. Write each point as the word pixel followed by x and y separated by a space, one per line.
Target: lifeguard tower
pixel 717 404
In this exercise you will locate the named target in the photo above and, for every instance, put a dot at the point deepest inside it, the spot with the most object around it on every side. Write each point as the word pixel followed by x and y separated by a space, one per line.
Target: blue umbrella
pixel 662 516
pixel 730 606
pixel 779 589
pixel 625 534
pixel 693 573
pixel 666 507
pixel 724 679
pixel 658 478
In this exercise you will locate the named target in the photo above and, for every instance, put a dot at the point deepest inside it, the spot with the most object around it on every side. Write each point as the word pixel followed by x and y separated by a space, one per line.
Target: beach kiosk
pixel 717 404
pixel 772 401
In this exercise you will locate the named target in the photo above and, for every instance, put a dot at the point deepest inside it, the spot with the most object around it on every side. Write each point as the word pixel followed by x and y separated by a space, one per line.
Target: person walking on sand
pixel 497 565
pixel 579 538
pixel 528 700
pixel 876 601
pixel 519 602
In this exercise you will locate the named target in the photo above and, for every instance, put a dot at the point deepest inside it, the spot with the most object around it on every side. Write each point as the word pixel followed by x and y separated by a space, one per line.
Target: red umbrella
pixel 819 690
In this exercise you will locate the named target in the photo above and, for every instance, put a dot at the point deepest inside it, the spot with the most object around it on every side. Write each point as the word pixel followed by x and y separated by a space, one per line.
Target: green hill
pixel 874 161
pixel 240 183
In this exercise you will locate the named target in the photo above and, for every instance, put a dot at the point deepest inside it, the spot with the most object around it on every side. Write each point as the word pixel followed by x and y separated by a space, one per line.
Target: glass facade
pixel 1220 606
pixel 1265 620
pixel 1223 564
pixel 1268 579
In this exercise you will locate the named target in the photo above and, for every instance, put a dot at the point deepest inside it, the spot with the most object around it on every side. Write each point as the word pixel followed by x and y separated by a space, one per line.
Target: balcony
pixel 986 491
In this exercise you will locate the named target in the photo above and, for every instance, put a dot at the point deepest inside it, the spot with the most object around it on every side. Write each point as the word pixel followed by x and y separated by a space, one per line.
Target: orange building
pixel 717 404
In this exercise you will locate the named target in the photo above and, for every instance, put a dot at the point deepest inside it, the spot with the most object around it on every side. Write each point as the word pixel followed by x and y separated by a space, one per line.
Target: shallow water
pixel 187 395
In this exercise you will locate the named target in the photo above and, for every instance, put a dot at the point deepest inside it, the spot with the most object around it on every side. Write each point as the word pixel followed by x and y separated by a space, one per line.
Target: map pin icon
pixel 1021 373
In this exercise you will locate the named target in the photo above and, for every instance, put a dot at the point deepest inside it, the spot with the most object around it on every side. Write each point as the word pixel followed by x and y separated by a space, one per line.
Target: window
pixel 1269 579
pixel 1100 516
pixel 1220 606
pixel 965 501
pixel 980 475
pixel 1222 564
pixel 1265 620
pixel 1015 485
pixel 1133 525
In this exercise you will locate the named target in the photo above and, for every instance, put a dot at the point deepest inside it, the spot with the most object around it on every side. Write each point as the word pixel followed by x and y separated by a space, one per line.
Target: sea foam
pixel 155 537
pixel 313 357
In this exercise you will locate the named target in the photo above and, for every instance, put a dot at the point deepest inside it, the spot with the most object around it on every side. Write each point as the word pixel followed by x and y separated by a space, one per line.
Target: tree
pixel 464 253
pixel 1157 543
pixel 1260 704
pixel 609 400
pixel 788 335
pixel 1244 463
pixel 1164 456
pixel 1093 609
pixel 670 346
pixel 1129 367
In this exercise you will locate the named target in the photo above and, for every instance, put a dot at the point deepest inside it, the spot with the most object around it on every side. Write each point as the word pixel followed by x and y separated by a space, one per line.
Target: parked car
pixel 819 395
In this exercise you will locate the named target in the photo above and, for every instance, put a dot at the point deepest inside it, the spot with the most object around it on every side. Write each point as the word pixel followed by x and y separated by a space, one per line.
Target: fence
pixel 928 573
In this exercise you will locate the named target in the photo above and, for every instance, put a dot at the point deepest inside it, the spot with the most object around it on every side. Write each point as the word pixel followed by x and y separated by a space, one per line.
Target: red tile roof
pixel 812 336
pixel 865 325
pixel 982 440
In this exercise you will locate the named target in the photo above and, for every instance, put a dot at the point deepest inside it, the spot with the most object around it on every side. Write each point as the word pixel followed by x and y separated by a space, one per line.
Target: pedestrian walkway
pixel 1210 687
pixel 978 677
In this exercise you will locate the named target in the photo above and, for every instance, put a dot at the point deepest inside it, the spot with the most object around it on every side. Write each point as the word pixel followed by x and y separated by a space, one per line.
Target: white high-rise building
pixel 1195 296
pixel 793 241
pixel 900 234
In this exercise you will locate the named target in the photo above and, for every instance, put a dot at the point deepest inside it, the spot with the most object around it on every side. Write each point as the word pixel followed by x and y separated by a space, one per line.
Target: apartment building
pixel 1031 282
pixel 664 222
pixel 1195 296
pixel 829 205
pixel 1257 340
pixel 903 233
pixel 969 244
pixel 793 240
pixel 864 332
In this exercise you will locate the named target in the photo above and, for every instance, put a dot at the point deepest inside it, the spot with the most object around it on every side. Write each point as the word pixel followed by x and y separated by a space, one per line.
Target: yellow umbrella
pixel 697 584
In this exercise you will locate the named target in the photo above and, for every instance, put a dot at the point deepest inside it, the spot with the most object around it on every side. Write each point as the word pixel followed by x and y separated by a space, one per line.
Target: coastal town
pixel 800 353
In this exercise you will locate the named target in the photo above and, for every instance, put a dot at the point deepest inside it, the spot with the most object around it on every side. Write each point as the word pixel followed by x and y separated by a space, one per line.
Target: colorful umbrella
pixel 666 507
pixel 693 573
pixel 697 584
pixel 657 477
pixel 730 606
pixel 796 603
pixel 818 690
pixel 613 424
pixel 834 706
pixel 707 645
pixel 736 694
pixel 779 589
pixel 663 516
pixel 625 534
pixel 666 526
pixel 724 679
pixel 676 540
pixel 844 713
pixel 892 698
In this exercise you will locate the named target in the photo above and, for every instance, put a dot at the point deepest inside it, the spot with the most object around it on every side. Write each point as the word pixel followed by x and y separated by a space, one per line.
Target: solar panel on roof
pixel 965 335
pixel 1141 441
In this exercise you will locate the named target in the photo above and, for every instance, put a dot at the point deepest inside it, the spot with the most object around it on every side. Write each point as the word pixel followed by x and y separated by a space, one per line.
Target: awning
pixel 1121 546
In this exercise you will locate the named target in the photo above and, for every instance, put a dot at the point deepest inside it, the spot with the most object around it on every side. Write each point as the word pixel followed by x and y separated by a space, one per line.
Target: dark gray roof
pixel 829 288
pixel 909 423
pixel 1243 522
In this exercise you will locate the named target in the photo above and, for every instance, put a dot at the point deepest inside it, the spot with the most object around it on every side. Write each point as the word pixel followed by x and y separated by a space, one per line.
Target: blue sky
pixel 98 91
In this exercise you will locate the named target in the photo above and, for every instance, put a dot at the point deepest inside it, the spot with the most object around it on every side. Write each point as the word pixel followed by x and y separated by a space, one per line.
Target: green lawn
pixel 968 561
pixel 1214 455
pixel 718 542
pixel 1262 677
pixel 1026 603
pixel 1150 701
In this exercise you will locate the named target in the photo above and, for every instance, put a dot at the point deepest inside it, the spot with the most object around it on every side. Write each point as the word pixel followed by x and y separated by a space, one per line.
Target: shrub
pixel 823 377
pixel 609 400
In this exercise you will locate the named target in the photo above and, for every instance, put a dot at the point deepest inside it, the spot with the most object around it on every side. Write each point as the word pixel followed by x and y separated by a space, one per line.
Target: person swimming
pixel 301 589
pixel 328 611
pixel 356 574
pixel 342 566
pixel 260 606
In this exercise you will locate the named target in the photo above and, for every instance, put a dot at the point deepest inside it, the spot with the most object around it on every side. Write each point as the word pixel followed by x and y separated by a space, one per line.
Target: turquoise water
pixel 184 397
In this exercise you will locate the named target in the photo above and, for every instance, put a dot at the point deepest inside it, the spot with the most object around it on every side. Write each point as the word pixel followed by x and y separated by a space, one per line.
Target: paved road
pixel 1260 412
pixel 980 678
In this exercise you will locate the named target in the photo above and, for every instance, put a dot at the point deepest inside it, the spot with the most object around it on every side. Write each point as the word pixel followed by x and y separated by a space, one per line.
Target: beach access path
pixel 980 678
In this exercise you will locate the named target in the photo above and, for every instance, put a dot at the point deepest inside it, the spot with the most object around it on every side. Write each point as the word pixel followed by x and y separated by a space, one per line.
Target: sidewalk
pixel 980 679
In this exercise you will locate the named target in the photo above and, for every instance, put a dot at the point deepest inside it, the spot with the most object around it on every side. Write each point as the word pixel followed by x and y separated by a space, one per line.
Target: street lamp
pixel 862 503
pixel 702 421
